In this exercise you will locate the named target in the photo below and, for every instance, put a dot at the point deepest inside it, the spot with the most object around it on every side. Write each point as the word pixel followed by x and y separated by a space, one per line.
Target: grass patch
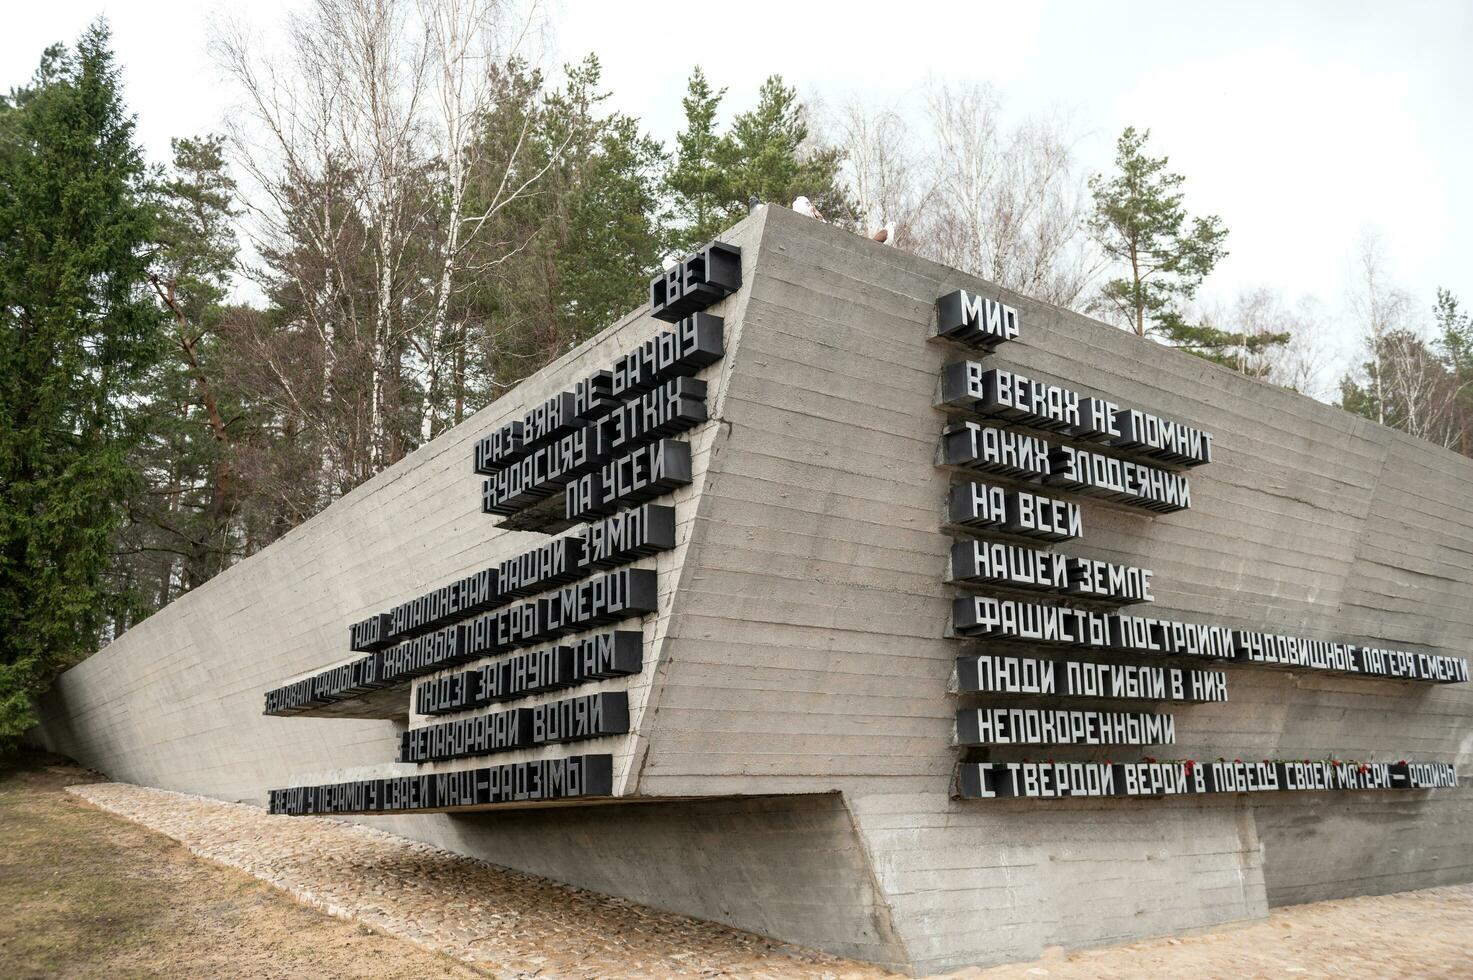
pixel 73 899
pixel 87 894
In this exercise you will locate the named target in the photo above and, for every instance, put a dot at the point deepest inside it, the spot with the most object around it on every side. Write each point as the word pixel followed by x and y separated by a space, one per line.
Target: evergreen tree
pixel 180 531
pixel 1140 222
pixel 1360 399
pixel 1243 351
pixel 767 154
pixel 615 228
pixel 699 180
pixel 80 332
pixel 1454 329
pixel 773 161
pixel 583 247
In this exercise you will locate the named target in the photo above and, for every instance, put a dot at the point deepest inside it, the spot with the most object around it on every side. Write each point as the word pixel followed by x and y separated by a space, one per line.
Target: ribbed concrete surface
pixel 798 668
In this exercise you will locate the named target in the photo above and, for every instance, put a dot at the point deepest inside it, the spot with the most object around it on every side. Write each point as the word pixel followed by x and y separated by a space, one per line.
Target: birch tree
pixel 470 43
pixel 1379 308
pixel 359 137
pixel 1005 203
pixel 1304 363
pixel 1405 382
pixel 299 202
pixel 881 166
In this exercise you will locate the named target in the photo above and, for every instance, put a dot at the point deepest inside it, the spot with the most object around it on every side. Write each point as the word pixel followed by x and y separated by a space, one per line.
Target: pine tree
pixel 80 332
pixel 700 179
pixel 773 160
pixel 615 228
pixel 180 531
pixel 1140 222
pixel 767 154
pixel 1237 349
pixel 584 246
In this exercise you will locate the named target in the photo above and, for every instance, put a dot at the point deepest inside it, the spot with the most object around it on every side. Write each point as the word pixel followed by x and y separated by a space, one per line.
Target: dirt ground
pixel 85 894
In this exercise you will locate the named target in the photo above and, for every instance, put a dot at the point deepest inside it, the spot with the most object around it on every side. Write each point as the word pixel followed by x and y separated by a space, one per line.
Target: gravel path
pixel 1421 934
pixel 502 921
pixel 518 925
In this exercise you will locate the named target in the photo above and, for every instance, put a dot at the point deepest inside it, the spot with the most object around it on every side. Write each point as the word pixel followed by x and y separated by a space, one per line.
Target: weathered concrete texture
pixel 780 866
pixel 799 651
pixel 509 924
pixel 176 702
pixel 811 644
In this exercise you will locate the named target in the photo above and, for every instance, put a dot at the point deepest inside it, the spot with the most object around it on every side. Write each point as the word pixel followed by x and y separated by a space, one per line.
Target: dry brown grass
pixel 84 893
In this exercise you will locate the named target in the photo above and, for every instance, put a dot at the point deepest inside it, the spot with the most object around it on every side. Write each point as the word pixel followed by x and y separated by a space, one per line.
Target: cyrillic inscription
pixel 1117 479
pixel 614 653
pixel 570 720
pixel 1003 394
pixel 643 474
pixel 542 779
pixel 1022 567
pixel 993 450
pixel 985 507
pixel 696 281
pixel 1055 780
pixel 1008 619
pixel 998 674
pixel 1049 726
pixel 975 320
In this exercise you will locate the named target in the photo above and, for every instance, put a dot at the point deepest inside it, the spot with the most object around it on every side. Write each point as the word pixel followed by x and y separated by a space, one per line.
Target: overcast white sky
pixel 1299 125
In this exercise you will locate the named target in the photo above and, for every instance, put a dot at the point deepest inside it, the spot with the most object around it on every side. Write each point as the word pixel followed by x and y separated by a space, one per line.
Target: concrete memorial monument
pixel 847 599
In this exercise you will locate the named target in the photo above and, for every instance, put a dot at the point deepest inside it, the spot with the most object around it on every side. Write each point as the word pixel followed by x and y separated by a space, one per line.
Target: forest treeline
pixel 423 216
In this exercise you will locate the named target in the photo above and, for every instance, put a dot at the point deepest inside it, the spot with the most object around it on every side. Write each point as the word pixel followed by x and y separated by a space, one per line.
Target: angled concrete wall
pixel 812 647
pixel 796 673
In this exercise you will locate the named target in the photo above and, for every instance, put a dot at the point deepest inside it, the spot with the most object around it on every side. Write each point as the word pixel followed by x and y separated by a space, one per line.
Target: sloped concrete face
pixel 785 866
pixel 177 701
pixel 817 619
pixel 790 764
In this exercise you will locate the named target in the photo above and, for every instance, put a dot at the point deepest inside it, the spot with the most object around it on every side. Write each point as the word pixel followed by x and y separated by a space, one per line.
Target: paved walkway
pixel 514 924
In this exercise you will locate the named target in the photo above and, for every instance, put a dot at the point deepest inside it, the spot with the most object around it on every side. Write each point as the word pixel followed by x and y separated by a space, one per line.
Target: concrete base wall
pixel 798 667
pixel 1314 851
pixel 792 867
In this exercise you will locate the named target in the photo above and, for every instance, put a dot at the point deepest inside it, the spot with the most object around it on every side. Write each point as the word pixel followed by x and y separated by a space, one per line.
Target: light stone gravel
pixel 517 925
pixel 1419 934
pixel 503 921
